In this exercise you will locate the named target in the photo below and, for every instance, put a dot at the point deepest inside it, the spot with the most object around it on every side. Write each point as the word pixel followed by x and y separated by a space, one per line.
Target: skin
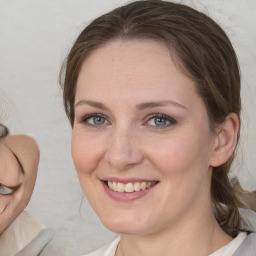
pixel 11 175
pixel 175 217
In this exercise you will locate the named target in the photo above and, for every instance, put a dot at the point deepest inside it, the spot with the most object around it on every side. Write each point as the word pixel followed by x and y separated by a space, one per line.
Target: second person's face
pixel 19 157
pixel 141 141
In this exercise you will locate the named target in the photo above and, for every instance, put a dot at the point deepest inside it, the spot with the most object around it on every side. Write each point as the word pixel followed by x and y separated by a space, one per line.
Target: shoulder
pixel 37 245
pixel 249 220
pixel 248 246
pixel 107 250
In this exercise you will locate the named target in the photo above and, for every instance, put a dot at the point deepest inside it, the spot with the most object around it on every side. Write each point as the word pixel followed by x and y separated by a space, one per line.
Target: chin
pixel 127 225
pixel 129 229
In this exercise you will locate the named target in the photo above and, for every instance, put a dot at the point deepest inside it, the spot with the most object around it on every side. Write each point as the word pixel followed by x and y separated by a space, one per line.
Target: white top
pixel 231 247
pixel 19 234
pixel 107 250
pixel 227 250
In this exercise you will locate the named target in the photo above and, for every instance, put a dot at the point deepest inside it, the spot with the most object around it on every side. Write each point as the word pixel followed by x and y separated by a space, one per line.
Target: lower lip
pixel 126 197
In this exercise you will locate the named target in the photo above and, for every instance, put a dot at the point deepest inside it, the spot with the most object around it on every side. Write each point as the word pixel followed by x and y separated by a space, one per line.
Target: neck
pixel 201 238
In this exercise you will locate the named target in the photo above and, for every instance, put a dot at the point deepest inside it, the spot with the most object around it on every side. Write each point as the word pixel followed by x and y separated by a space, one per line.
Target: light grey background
pixel 35 36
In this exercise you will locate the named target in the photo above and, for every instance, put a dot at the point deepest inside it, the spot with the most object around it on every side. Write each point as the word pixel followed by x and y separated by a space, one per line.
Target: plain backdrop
pixel 35 37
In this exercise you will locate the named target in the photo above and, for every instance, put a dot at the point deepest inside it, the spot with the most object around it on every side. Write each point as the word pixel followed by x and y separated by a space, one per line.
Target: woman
pixel 152 91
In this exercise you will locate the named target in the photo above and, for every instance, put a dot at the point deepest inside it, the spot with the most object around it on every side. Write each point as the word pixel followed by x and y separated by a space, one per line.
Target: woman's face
pixel 141 141
pixel 19 157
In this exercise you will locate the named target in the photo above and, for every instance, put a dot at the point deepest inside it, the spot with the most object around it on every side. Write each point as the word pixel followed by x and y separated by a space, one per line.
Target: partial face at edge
pixel 21 177
pixel 139 119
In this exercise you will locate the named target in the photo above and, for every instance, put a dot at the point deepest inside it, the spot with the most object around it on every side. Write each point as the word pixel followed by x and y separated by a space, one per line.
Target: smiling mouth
pixel 130 187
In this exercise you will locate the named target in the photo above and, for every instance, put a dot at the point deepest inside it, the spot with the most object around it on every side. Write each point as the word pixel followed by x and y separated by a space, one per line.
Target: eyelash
pixel 86 119
pixel 169 120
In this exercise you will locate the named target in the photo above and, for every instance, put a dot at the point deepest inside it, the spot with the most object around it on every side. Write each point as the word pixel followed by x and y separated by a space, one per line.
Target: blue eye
pixel 95 120
pixel 161 121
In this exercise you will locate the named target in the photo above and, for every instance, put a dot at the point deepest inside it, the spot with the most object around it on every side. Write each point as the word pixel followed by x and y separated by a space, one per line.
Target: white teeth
pixel 120 187
pixel 143 185
pixel 110 185
pixel 130 187
pixel 114 186
pixel 136 186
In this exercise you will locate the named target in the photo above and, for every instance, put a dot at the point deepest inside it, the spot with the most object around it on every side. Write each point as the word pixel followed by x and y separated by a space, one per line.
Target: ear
pixel 225 140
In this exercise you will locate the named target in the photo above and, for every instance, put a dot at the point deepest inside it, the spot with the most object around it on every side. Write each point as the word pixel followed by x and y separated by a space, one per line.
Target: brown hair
pixel 200 48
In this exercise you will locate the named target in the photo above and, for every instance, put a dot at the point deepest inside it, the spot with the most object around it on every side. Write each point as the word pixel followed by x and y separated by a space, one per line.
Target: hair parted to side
pixel 201 50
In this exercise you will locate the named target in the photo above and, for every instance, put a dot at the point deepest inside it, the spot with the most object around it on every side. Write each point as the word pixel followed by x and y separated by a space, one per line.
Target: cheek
pixel 86 152
pixel 10 173
pixel 179 154
pixel 183 165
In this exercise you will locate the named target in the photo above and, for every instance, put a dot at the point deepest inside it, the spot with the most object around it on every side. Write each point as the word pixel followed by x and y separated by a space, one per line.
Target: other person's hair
pixel 4 131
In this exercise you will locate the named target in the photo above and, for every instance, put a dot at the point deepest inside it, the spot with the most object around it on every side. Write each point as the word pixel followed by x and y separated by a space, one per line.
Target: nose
pixel 123 151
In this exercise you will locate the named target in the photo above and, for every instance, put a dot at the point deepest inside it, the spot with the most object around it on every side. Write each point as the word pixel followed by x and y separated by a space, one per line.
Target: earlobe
pixel 225 140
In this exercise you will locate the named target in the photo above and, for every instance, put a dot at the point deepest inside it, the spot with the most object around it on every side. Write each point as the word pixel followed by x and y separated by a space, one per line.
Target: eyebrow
pixel 91 103
pixel 139 107
pixel 154 104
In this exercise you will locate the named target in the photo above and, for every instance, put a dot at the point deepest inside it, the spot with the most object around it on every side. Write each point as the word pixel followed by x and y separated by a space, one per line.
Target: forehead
pixel 131 68
pixel 126 57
